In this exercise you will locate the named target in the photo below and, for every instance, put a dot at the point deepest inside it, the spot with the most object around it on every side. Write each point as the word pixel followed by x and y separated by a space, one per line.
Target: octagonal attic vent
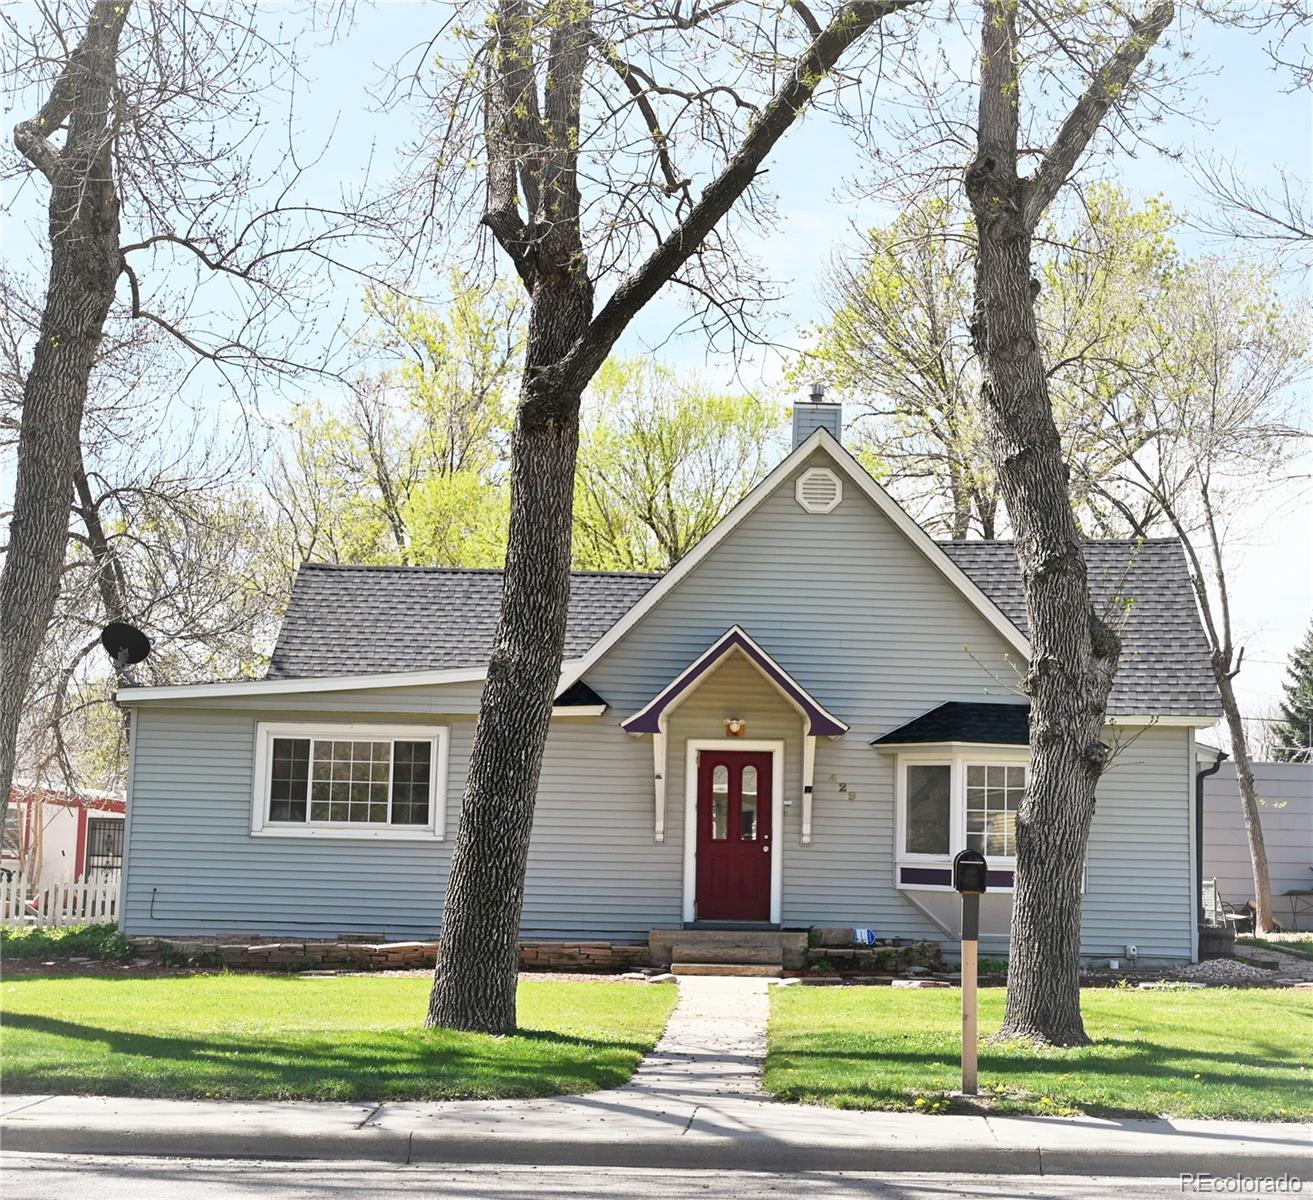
pixel 819 490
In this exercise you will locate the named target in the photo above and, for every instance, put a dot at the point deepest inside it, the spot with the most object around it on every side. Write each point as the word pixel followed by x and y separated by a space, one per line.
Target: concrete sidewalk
pixel 695 1102
pixel 618 1129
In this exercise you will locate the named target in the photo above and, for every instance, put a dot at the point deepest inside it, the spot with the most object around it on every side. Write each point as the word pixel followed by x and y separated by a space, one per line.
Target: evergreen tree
pixel 1293 734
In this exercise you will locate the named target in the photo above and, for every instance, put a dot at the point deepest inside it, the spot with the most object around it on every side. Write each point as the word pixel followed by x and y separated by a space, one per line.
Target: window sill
pixel 354 835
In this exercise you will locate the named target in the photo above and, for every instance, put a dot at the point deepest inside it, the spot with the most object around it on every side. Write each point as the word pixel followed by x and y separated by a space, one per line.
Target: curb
pixel 751 1153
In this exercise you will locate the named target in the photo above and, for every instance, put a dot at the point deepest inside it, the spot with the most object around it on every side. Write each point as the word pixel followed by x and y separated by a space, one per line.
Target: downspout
pixel 1199 777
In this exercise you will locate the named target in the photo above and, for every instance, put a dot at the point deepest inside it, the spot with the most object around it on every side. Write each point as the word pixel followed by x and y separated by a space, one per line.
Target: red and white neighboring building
pixel 53 836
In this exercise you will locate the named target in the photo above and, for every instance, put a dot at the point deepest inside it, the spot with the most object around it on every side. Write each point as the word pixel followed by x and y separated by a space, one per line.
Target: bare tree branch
pixel 1106 88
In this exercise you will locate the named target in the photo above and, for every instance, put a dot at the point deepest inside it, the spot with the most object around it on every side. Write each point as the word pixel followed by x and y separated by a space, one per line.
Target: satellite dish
pixel 125 644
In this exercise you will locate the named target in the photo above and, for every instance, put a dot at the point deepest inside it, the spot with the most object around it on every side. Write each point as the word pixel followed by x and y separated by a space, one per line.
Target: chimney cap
pixel 817 391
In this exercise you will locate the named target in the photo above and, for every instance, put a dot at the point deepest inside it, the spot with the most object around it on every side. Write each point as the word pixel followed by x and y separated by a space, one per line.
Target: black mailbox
pixel 970 873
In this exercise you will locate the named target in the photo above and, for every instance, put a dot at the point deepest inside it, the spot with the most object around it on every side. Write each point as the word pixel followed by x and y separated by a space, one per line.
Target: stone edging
pixel 602 957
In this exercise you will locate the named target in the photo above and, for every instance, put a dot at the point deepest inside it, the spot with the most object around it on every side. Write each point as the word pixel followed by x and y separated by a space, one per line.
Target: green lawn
pixel 335 1038
pixel 1207 1053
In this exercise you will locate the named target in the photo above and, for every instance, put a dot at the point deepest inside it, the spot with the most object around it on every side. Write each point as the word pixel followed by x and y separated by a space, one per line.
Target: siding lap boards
pixel 843 601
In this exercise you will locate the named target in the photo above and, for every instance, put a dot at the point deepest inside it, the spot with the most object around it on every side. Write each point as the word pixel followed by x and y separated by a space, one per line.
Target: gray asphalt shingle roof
pixel 349 620
pixel 378 620
pixel 995 724
pixel 1164 667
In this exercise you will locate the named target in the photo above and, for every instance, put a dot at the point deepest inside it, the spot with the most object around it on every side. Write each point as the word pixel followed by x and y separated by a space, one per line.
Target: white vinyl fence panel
pixel 89 902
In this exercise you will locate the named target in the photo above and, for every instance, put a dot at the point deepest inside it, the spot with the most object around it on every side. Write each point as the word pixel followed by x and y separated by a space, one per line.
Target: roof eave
pixel 1165 720
pixel 949 744
pixel 311 683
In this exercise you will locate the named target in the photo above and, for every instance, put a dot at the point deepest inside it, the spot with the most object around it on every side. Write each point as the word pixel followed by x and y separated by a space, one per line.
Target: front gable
pixel 813 500
pixel 734 642
pixel 856 603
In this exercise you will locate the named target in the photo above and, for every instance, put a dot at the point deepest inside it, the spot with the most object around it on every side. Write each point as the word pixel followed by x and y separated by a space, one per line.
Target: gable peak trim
pixel 847 467
pixel 736 639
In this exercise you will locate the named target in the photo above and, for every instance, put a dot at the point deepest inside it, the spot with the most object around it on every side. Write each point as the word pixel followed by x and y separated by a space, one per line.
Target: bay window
pixel 950 800
pixel 370 781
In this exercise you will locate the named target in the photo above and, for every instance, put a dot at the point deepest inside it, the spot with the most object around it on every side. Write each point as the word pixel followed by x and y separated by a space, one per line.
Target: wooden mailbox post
pixel 970 878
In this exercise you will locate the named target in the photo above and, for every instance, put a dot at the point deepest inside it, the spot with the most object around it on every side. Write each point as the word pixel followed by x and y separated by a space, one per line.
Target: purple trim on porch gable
pixel 648 720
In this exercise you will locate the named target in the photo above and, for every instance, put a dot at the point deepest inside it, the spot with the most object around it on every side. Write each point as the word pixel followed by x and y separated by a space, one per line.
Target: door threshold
pixel 729 926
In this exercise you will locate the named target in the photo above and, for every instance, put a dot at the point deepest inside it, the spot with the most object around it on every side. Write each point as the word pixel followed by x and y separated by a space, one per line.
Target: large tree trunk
pixel 533 155
pixel 1074 654
pixel 475 978
pixel 85 262
pixel 1249 803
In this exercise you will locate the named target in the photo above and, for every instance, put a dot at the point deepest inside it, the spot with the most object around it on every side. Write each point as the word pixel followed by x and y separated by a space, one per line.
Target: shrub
pixel 104 942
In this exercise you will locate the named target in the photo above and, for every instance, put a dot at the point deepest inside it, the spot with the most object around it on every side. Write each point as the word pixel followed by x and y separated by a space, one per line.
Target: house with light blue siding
pixel 798 725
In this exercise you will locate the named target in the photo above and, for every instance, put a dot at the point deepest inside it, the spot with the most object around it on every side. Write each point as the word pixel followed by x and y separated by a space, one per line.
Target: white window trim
pixel 266 731
pixel 957 760
pixel 956 809
pixel 776 750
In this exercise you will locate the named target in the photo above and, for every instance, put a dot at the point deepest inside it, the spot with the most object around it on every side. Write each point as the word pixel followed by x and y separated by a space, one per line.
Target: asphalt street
pixel 60 1177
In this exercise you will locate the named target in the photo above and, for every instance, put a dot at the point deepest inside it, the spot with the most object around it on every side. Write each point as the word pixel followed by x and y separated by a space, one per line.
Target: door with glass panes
pixel 734 835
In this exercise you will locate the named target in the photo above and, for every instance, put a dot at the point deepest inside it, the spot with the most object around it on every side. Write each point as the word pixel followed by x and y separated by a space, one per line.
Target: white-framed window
pixel 950 800
pixel 928 823
pixel 994 792
pixel 385 782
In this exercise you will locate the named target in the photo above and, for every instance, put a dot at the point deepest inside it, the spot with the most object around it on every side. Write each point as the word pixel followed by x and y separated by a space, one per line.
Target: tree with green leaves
pixel 1291 736
pixel 458 520
pixel 394 475
pixel 411 468
pixel 1217 424
pixel 662 459
pixel 898 345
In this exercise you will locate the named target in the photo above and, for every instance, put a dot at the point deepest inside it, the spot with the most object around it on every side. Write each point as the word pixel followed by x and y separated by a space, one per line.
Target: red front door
pixel 734 835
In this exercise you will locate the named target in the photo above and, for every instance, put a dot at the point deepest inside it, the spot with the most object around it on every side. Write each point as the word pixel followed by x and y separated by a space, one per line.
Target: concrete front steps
pixel 762 970
pixel 736 951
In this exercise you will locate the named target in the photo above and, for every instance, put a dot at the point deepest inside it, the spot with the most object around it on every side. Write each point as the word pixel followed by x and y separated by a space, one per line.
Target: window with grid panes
pixel 351 781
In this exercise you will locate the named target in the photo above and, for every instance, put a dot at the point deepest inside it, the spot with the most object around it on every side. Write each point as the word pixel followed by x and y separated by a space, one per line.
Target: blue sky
pixel 1242 114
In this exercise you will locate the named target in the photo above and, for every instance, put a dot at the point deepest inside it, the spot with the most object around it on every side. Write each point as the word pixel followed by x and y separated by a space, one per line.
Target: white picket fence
pixel 88 902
